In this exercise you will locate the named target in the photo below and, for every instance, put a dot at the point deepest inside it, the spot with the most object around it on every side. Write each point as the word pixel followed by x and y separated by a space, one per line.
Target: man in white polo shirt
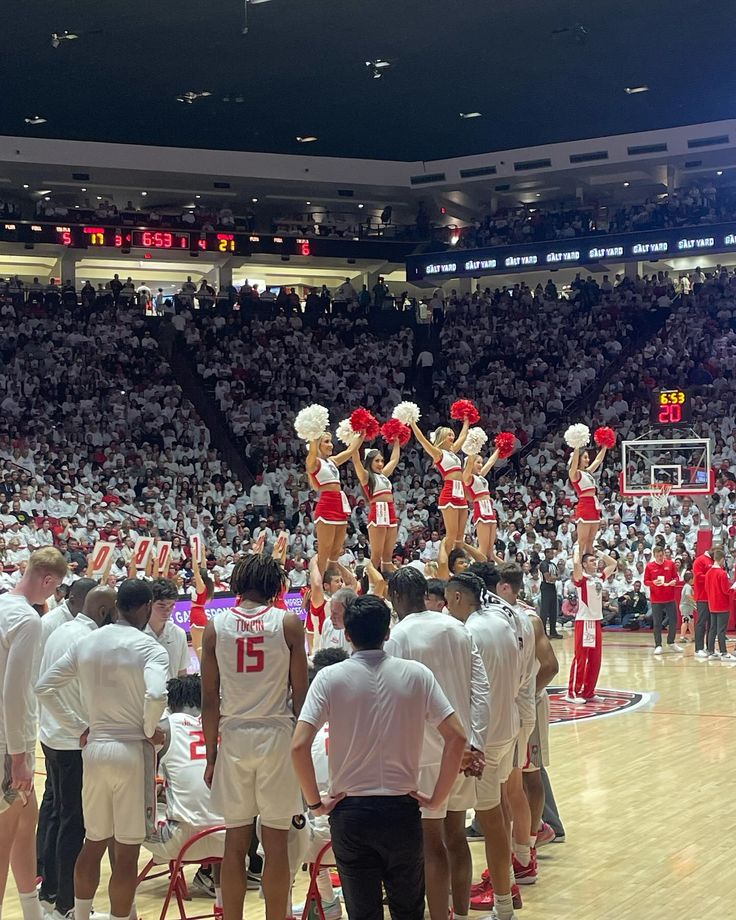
pixel 333 628
pixel 448 650
pixel 377 706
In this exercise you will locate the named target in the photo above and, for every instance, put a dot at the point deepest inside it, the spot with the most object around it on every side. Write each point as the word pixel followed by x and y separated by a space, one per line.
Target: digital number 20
pixel 670 415
pixel 251 656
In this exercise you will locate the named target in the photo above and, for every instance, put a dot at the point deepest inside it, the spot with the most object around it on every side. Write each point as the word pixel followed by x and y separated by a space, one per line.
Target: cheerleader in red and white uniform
pixel 382 523
pixel 588 509
pixel 452 501
pixel 332 511
pixel 479 493
pixel 202 591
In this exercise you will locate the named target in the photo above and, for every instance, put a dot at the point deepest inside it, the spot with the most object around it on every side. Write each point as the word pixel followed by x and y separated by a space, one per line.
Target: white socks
pixel 82 908
pixel 324 885
pixel 523 854
pixel 503 906
pixel 30 905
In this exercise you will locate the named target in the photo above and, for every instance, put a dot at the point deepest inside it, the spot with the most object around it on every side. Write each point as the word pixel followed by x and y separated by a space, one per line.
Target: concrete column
pixel 225 274
pixel 68 267
pixel 632 269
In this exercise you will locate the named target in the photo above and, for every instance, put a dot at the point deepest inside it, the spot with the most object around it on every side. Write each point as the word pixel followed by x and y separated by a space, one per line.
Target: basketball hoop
pixel 659 493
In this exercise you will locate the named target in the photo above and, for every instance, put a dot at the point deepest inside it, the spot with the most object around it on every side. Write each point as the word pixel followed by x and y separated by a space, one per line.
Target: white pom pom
pixel 407 412
pixel 345 432
pixel 475 441
pixel 311 422
pixel 577 436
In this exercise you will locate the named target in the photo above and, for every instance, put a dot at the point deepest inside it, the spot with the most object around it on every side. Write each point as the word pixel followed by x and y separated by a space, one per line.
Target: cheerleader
pixel 201 591
pixel 452 501
pixel 382 524
pixel 588 509
pixel 484 514
pixel 332 511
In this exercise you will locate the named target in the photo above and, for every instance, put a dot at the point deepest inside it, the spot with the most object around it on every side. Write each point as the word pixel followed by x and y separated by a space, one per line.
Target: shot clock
pixel 670 408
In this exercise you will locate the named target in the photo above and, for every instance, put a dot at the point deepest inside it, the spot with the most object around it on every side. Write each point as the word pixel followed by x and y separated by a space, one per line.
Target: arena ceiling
pixel 537 71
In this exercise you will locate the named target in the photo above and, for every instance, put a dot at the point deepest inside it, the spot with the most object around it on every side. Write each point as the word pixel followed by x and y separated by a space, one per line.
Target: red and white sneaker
pixel 482 897
pixel 525 875
pixel 545 835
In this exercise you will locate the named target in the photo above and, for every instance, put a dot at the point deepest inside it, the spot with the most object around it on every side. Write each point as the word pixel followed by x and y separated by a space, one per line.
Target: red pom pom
pixel 505 443
pixel 605 437
pixel 365 423
pixel 393 429
pixel 463 410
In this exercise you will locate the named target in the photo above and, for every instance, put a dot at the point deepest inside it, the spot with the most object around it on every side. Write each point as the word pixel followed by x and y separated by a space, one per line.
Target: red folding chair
pixel 175 870
pixel 313 895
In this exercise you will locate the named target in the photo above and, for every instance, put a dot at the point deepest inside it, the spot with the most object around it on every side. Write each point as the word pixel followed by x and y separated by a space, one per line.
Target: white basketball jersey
pixel 187 796
pixel 253 659
pixel 494 632
pixel 320 751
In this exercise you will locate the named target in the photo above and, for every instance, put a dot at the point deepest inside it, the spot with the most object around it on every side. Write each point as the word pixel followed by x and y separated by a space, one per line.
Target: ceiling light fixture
pixel 44 191
pixel 306 138
pixel 539 194
pixel 470 114
pixel 720 172
pixel 191 96
pixel 634 90
pixel 47 198
pixel 309 202
pixel 197 196
pixel 627 184
pixel 84 189
pixel 35 120
pixel 361 205
pixel 254 200
pixel 377 68
pixel 144 194
pixel 25 185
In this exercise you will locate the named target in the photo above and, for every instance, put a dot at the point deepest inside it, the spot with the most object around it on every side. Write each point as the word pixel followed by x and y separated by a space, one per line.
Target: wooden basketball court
pixel 643 793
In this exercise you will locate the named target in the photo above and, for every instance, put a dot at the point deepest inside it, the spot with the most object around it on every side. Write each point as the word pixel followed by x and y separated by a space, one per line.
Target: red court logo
pixel 611 703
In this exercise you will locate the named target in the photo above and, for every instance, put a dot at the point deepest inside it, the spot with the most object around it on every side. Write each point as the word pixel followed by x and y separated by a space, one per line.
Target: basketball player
pixel 333 628
pixel 20 645
pixel 492 627
pixel 121 674
pixel 252 657
pixel 586 664
pixel 64 833
pixel 537 755
pixel 700 569
pixel 660 576
pixel 67 609
pixel 166 633
pixel 448 650
pixel 377 706
pixel 188 810
pixel 524 858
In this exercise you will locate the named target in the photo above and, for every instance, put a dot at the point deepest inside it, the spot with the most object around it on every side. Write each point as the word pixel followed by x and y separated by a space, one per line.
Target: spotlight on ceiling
pixel 719 172
pixel 26 185
pixel 634 90
pixel 191 96
pixel 35 120
pixel 470 114
pixel 627 184
pixel 306 138
pixel 377 68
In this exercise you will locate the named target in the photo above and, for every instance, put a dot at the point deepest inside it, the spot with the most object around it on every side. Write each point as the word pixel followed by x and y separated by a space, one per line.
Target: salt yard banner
pixel 180 615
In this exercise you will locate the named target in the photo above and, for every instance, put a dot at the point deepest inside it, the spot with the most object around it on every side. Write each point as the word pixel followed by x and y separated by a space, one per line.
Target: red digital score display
pixel 159 239
pixel 671 407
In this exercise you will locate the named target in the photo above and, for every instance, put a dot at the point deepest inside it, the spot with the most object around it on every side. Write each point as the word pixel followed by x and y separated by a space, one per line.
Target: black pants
pixel 717 630
pixel 64 826
pixel 702 625
pixel 659 613
pixel 378 839
pixel 548 611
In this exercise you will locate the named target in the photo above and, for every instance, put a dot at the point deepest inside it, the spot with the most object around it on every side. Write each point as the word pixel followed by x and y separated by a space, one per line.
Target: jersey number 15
pixel 250 655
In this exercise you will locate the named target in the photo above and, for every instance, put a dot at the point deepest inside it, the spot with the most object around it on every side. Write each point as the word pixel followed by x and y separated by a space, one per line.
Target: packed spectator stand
pixel 98 441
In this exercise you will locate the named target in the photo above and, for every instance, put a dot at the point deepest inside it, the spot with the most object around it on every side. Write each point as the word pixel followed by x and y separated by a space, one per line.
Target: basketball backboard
pixel 682 463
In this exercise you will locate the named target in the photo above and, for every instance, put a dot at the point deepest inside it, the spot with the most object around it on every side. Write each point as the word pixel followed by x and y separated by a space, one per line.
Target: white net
pixel 659 494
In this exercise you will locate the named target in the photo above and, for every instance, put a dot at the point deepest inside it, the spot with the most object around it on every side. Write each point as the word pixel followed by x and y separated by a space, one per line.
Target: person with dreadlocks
pixel 448 650
pixel 188 806
pixel 382 523
pixel 254 681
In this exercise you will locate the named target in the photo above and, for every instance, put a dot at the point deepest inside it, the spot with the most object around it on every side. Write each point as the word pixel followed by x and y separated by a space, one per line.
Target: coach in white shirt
pixel 62 833
pixel 333 628
pixel 377 706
